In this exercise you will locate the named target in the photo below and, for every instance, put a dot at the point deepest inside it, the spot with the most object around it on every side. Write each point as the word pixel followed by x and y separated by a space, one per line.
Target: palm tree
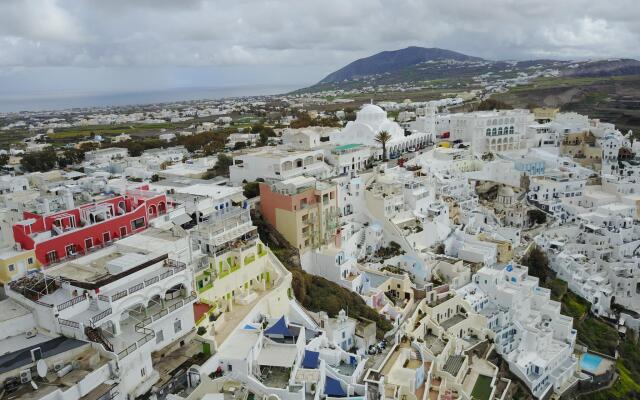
pixel 383 137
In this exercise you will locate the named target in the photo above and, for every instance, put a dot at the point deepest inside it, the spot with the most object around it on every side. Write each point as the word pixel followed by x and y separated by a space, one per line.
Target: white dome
pixel 372 109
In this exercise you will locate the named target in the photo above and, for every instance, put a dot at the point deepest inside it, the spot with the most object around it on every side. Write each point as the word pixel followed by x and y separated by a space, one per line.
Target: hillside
pixel 394 61
pixel 439 68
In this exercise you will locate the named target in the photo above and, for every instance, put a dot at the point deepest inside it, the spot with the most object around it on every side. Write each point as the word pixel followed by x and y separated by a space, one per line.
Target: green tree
pixel 537 262
pixel 383 138
pixel 70 157
pixel 251 189
pixel 42 161
pixel 4 159
pixel 221 167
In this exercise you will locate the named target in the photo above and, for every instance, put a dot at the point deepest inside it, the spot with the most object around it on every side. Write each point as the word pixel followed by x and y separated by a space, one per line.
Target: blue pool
pixel 590 362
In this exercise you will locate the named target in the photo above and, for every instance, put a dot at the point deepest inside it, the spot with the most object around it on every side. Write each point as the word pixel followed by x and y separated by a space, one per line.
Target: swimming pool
pixel 590 362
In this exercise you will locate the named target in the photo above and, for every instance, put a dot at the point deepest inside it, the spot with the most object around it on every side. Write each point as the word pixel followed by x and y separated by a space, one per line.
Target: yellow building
pixel 15 263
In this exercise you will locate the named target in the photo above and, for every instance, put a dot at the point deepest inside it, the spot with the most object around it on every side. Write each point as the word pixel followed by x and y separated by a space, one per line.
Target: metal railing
pixel 137 287
pixel 101 316
pixel 72 302
pixel 119 295
pixel 70 324
pixel 179 266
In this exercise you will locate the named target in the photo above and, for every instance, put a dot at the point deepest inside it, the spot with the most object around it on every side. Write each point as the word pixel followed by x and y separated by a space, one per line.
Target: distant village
pixel 308 246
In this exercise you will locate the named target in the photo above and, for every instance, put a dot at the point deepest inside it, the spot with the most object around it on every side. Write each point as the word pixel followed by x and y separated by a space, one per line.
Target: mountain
pixel 446 69
pixel 393 61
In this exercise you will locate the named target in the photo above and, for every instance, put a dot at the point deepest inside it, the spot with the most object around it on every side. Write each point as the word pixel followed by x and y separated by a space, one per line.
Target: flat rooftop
pixel 12 309
pixel 50 348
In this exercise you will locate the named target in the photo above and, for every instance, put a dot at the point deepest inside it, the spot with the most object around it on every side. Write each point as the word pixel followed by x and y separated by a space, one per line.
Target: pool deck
pixel 603 366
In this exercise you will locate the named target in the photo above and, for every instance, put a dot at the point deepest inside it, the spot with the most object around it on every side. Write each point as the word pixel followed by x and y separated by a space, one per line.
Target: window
pixel 11 267
pixel 137 223
pixel 30 260
pixel 88 243
pixel 159 336
pixel 177 326
pixel 143 372
pixel 52 256
pixel 123 231
pixel 106 237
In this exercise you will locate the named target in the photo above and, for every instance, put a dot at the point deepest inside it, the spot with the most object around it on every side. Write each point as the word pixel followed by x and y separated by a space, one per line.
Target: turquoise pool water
pixel 590 362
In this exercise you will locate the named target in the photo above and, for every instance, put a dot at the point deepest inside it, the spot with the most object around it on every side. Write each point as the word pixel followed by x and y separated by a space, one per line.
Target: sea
pixel 58 101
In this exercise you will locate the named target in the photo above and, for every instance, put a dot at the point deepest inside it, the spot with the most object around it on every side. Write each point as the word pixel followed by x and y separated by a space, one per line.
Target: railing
pixel 119 295
pixel 70 324
pixel 179 266
pixel 72 302
pixel 174 264
pixel 148 335
pixel 137 287
pixel 165 311
pixel 151 281
pixel 166 274
pixel 102 315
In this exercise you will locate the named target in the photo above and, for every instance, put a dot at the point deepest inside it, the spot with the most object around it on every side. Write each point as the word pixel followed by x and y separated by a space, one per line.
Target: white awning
pixel 278 355
pixel 181 219
pixel 238 198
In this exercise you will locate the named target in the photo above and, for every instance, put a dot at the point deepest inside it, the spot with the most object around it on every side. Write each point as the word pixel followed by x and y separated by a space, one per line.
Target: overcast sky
pixel 70 46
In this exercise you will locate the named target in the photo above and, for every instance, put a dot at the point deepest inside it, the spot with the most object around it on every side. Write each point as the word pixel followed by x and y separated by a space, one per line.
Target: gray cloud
pixel 308 35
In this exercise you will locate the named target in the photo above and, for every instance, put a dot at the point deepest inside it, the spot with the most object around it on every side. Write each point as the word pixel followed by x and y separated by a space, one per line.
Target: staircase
pixel 96 335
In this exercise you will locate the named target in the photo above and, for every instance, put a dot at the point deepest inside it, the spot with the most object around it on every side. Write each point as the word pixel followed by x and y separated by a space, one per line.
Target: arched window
pixel 488 131
pixel 494 131
pixel 511 130
pixel 499 131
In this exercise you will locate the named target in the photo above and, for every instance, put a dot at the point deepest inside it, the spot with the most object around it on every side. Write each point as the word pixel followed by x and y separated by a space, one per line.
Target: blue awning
pixel 249 327
pixel 279 328
pixel 332 387
pixel 310 359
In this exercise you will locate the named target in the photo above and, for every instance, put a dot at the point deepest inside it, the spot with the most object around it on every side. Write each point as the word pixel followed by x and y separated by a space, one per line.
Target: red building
pixel 63 234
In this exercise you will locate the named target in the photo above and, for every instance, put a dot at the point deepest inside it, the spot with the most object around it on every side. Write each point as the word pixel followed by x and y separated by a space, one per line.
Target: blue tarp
pixel 248 327
pixel 310 359
pixel 332 387
pixel 279 328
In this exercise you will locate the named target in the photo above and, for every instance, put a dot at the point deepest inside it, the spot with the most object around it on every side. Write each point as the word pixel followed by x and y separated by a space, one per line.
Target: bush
pixel 201 330
pixel 319 294
pixel 537 262
pixel 251 190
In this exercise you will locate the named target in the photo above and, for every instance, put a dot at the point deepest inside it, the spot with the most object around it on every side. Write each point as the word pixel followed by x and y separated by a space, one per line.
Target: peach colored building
pixel 304 210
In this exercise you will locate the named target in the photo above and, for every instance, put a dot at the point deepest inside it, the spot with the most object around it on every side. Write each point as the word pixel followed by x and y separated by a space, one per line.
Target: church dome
pixel 506 191
pixel 370 113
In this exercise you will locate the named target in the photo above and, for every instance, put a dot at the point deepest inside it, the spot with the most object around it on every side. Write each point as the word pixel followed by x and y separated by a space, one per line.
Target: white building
pixel 105 155
pixel 277 164
pixel 490 131
pixel 530 333
pixel 121 303
pixel 370 121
